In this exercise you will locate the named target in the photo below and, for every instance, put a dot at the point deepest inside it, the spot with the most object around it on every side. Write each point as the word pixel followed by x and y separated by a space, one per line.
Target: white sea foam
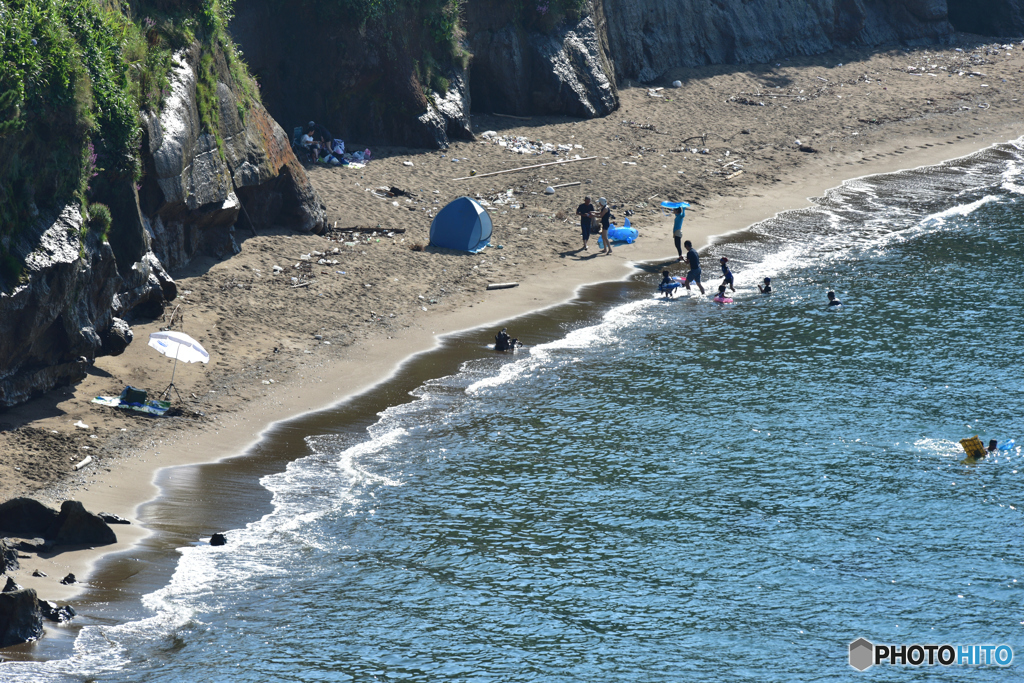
pixel 551 354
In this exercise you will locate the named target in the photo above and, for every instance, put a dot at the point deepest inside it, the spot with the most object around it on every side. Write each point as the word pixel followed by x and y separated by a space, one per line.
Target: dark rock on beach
pixel 8 556
pixel 69 579
pixel 218 539
pixel 10 586
pixel 26 518
pixel 112 519
pixel 76 526
pixel 20 617
pixel 54 612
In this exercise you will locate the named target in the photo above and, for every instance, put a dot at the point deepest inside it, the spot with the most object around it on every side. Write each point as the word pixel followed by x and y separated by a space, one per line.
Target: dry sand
pixel 383 301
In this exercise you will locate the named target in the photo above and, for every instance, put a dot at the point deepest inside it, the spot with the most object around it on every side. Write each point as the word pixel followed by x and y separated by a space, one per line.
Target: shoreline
pixel 345 373
pixel 225 443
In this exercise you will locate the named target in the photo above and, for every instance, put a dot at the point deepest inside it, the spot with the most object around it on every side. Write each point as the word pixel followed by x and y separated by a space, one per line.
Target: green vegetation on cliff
pixel 74 77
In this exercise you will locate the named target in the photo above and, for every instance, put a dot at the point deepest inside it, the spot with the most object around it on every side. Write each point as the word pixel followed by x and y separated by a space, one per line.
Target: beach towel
pixel 149 406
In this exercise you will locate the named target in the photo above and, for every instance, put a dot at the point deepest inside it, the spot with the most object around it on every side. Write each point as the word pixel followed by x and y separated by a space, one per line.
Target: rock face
pixel 988 17
pixel 358 80
pixel 49 321
pixel 76 293
pixel 20 618
pixel 194 191
pixel 447 114
pixel 521 72
pixel 648 37
pixel 76 526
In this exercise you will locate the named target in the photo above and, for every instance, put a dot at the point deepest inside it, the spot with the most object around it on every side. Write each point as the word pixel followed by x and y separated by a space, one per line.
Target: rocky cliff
pixel 523 70
pixel 76 286
pixel 382 79
pixel 648 37
pixel 195 187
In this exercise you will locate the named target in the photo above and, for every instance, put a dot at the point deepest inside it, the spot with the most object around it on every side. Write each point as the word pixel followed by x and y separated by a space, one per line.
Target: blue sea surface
pixel 678 490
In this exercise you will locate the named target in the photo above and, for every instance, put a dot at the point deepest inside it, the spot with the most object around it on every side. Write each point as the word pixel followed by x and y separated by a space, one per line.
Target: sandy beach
pixel 740 143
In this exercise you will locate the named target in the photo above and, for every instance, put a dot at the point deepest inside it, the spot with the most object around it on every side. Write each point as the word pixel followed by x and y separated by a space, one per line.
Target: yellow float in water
pixel 974 447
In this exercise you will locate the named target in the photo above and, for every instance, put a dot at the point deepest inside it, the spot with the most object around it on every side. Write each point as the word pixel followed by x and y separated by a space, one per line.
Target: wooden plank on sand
pixel 502 285
pixel 526 168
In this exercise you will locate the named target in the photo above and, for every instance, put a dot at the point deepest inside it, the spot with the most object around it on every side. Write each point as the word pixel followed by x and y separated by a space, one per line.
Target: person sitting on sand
pixel 677 232
pixel 833 301
pixel 694 260
pixel 727 274
pixel 310 145
pixel 767 289
pixel 586 213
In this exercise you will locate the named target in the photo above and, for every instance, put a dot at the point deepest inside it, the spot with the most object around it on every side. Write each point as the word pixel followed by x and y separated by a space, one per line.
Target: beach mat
pixel 149 407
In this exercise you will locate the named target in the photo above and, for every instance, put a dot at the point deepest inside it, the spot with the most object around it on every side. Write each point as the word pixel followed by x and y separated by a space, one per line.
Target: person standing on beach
pixel 605 216
pixel 677 232
pixel 586 213
pixel 694 260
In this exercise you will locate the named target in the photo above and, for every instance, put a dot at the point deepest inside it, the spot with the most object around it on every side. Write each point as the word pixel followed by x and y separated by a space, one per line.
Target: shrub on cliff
pixel 74 76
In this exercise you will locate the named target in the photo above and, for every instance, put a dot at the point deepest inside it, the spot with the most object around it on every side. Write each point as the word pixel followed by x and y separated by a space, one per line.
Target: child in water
pixel 767 289
pixel 721 293
pixel 727 274
pixel 833 301
pixel 668 286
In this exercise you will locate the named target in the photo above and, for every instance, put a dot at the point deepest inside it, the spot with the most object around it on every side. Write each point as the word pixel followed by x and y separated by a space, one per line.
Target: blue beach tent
pixel 462 225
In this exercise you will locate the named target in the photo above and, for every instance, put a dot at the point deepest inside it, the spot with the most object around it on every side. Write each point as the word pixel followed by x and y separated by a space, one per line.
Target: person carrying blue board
pixel 693 258
pixel 679 210
pixel 727 274
pixel 677 231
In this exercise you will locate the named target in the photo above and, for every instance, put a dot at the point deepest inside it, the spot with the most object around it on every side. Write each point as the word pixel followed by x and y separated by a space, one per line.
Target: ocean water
pixel 664 490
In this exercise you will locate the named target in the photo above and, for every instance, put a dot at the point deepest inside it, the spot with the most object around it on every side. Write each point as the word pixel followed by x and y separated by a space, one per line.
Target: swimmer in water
pixel 727 274
pixel 992 446
pixel 833 301
pixel 767 289
pixel 668 286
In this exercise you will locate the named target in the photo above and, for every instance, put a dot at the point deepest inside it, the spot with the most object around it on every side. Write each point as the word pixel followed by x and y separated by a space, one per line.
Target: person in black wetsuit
pixel 833 301
pixel 586 212
pixel 503 342
pixel 693 258
pixel 605 216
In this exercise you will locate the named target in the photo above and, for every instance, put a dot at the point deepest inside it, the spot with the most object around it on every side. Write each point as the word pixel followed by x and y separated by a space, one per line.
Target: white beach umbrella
pixel 179 346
